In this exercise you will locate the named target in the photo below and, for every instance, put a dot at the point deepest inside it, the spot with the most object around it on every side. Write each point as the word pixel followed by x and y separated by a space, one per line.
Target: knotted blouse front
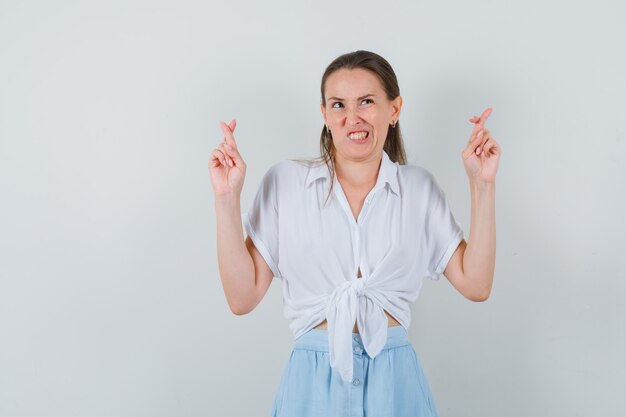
pixel 404 233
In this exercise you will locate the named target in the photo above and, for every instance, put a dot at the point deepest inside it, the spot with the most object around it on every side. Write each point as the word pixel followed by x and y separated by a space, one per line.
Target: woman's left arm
pixel 472 265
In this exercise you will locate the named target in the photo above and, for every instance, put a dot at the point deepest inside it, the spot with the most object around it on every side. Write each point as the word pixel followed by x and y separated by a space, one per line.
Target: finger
pixel 218 155
pixel 469 151
pixel 487 144
pixel 233 153
pixel 478 136
pixel 475 144
pixel 487 147
pixel 228 134
pixel 485 116
pixel 481 149
pixel 486 134
pixel 491 148
pixel 479 122
pixel 214 162
pixel 485 137
pixel 232 125
pixel 222 148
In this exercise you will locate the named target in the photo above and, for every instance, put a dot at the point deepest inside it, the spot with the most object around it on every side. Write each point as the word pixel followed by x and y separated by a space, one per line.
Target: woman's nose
pixel 353 116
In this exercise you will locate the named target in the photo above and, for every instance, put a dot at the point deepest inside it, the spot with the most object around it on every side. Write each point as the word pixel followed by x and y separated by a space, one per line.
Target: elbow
pixel 478 290
pixel 241 301
pixel 240 307
pixel 480 296
pixel 239 310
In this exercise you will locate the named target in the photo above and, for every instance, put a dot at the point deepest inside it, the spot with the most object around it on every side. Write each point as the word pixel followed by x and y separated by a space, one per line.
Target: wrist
pixel 228 200
pixel 482 186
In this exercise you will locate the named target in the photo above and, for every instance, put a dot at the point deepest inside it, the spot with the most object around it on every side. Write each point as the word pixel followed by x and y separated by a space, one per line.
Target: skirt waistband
pixel 317 339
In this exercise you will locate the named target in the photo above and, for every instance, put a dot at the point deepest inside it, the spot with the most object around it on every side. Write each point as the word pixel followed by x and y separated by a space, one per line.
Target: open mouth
pixel 358 136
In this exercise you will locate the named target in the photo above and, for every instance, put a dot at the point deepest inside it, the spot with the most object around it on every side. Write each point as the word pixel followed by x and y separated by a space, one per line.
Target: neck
pixel 357 174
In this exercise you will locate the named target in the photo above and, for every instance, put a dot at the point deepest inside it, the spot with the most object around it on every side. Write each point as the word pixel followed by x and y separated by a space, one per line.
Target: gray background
pixel 110 298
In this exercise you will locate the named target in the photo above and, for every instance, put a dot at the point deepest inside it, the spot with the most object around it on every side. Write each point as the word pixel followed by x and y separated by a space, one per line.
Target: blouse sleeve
pixel 261 221
pixel 443 233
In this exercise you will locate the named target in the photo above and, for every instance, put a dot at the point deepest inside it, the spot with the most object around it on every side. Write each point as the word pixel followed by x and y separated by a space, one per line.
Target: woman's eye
pixel 367 100
pixel 336 105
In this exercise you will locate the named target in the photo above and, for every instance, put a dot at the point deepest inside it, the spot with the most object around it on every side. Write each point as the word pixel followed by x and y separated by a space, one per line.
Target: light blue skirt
pixel 390 385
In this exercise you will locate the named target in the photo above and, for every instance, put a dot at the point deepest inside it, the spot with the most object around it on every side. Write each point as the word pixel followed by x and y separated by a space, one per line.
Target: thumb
pixel 472 145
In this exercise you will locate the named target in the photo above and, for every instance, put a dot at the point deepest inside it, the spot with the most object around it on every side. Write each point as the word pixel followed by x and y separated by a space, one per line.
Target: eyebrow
pixel 360 98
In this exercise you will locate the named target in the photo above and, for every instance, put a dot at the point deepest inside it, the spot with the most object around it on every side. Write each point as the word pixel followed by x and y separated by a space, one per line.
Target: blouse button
pixel 356 381
pixel 357 349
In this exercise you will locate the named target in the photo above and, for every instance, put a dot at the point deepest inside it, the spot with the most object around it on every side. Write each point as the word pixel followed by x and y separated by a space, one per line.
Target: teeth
pixel 359 135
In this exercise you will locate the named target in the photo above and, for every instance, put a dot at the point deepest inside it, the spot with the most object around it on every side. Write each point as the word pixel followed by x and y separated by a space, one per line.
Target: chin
pixel 359 153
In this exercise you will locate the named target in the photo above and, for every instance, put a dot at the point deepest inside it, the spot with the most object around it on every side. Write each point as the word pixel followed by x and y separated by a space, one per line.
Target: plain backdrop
pixel 110 299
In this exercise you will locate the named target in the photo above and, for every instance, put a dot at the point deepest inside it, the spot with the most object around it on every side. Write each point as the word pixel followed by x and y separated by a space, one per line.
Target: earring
pixel 393 124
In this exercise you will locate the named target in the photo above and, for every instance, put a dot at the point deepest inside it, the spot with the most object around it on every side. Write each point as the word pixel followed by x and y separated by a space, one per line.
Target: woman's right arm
pixel 245 274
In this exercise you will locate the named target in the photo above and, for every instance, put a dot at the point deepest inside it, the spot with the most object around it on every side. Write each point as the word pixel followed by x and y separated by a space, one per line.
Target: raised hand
pixel 226 166
pixel 482 154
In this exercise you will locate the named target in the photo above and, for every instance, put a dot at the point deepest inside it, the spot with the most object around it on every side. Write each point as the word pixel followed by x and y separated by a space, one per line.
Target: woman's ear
pixel 396 105
pixel 323 109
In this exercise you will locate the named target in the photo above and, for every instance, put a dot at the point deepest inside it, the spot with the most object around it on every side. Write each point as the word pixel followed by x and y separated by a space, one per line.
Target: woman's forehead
pixel 352 83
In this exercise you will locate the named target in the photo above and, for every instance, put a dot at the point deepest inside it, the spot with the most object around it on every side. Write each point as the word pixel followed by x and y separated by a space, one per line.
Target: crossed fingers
pixel 480 135
pixel 226 151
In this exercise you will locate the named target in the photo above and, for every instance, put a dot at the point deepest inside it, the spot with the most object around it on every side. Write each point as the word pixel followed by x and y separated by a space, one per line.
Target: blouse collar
pixel 387 174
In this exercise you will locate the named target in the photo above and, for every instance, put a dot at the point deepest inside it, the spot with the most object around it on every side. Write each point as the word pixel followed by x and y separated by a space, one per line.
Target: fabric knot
pixel 358 286
pixel 354 302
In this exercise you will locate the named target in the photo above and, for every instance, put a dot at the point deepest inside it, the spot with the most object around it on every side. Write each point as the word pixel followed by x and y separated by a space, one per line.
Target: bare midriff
pixel 355 329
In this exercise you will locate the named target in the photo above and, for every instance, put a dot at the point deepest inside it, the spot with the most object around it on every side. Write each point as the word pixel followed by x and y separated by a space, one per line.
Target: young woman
pixel 352 235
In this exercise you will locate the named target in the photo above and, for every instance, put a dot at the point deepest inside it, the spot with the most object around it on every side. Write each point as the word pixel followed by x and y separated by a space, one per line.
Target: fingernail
pixel 478 151
pixel 230 162
pixel 480 134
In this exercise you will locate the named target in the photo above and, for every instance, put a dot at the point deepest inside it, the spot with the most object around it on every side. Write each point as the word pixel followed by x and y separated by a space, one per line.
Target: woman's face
pixel 358 113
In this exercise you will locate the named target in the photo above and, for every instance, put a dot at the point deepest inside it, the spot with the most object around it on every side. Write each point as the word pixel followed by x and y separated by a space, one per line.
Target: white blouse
pixel 404 233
